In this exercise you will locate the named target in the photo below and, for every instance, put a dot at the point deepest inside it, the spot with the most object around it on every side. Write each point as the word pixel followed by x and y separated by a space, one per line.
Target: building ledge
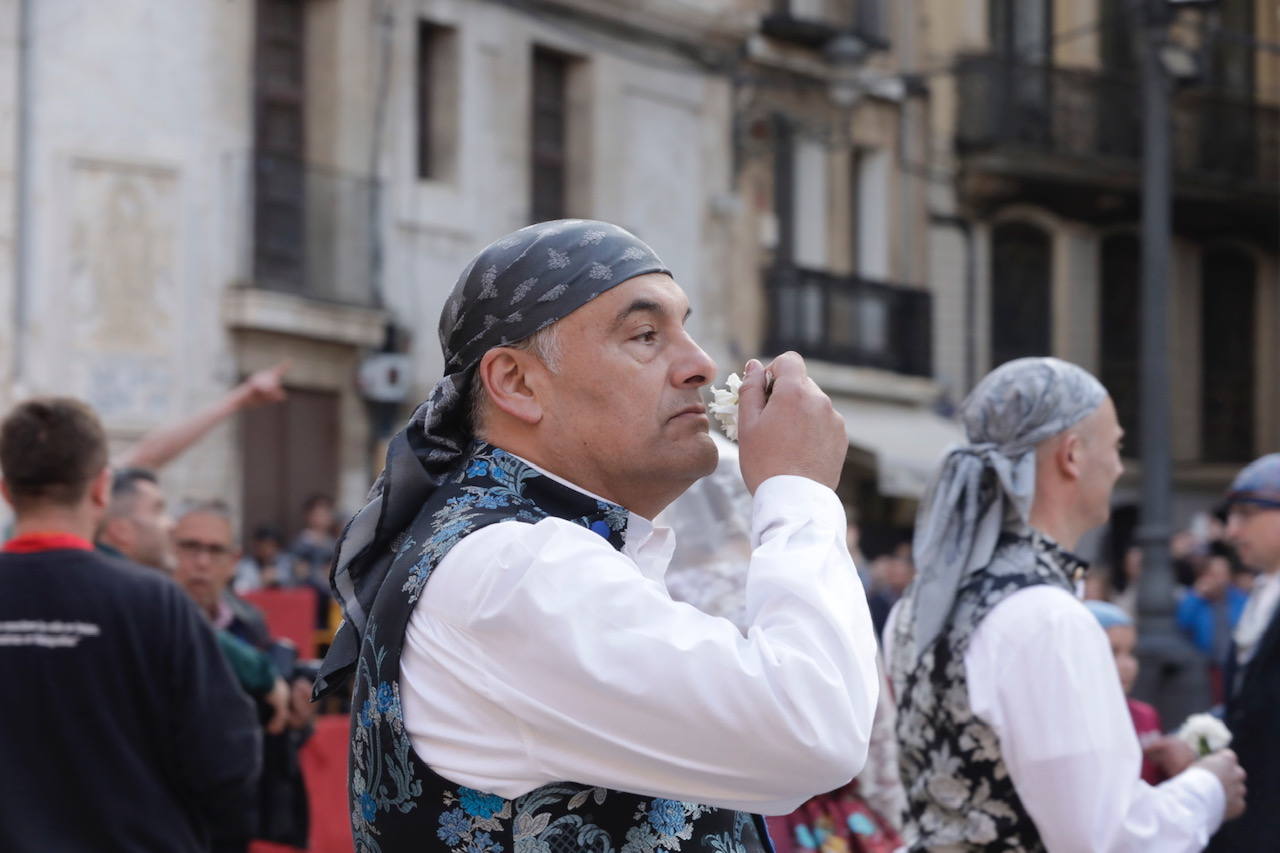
pixel 289 314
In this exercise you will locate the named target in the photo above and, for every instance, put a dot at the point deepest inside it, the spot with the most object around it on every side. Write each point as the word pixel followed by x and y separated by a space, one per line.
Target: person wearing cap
pixel 1011 736
pixel 1163 756
pixel 1252 671
pixel 523 680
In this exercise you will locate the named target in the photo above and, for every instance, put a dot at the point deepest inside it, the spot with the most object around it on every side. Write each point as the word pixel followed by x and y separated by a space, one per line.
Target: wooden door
pixel 289 452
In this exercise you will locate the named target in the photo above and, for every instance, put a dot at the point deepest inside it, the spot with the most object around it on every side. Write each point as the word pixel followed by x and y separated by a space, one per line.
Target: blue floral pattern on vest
pixel 399 803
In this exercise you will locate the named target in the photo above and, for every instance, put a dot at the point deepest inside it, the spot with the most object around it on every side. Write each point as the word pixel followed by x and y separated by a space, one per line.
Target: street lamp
pixel 1172 675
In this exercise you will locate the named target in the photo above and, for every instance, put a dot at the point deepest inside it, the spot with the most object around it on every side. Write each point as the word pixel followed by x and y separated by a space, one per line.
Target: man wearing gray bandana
pixel 1013 730
pixel 523 681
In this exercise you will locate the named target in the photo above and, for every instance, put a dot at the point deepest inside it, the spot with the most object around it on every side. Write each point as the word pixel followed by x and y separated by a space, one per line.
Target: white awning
pixel 908 442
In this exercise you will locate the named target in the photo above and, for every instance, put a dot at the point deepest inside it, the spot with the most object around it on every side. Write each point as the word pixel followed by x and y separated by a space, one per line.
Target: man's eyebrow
pixel 643 306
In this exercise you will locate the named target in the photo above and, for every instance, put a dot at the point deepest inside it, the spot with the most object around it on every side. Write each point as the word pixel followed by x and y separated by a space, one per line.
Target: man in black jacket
pixel 1252 672
pixel 124 729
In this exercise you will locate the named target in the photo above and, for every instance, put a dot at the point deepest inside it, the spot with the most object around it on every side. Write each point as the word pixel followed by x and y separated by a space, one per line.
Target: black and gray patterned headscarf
pixel 986 486
pixel 517 286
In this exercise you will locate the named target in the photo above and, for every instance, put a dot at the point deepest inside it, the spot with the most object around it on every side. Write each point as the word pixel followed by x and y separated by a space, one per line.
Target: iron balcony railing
pixel 312 231
pixel 1088 116
pixel 850 320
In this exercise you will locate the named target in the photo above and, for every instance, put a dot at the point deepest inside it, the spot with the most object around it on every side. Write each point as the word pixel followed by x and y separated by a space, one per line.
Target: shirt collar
pixel 649 546
pixel 52 540
pixel 225 614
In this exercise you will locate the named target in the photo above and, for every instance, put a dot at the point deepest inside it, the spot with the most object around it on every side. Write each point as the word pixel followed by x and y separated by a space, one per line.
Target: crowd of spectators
pixel 139 542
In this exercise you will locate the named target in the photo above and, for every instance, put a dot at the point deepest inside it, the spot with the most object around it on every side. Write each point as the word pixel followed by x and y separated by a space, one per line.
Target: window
pixel 1116 38
pixel 1021 36
pixel 871 19
pixel 1119 123
pixel 1120 327
pixel 437 106
pixel 809 206
pixel 1228 280
pixel 1021 317
pixel 279 121
pixel 1232 147
pixel 1021 29
pixel 865 17
pixel 1231 60
pixel 871 223
pixel 550 135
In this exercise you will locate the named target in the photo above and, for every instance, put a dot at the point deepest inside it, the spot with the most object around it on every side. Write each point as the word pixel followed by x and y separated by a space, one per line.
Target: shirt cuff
pixel 787 498
pixel 1202 793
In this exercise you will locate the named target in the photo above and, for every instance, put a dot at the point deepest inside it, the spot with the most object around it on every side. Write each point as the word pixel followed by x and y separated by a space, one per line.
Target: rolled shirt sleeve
pixel 540 654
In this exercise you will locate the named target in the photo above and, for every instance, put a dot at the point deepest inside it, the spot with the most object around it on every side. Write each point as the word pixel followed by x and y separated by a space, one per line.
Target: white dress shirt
pixel 540 654
pixel 1042 675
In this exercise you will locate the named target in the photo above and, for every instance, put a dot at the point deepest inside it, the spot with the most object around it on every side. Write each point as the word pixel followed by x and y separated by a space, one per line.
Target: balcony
pixel 1051 129
pixel 850 320
pixel 310 231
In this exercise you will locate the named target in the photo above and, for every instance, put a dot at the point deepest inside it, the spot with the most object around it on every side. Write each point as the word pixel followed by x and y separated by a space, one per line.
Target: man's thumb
pixel 751 396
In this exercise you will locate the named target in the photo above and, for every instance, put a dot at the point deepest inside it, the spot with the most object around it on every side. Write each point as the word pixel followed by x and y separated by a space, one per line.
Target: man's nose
pixel 698 368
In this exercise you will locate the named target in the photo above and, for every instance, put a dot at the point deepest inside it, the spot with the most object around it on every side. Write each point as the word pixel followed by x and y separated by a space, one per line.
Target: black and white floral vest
pixel 399 804
pixel 959 793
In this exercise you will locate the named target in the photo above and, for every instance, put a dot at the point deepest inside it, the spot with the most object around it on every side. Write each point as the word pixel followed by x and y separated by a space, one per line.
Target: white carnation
pixel 1205 733
pixel 724 405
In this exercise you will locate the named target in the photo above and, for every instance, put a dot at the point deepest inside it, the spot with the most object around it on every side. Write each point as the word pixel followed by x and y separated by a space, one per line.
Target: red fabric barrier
pixel 324 769
pixel 291 614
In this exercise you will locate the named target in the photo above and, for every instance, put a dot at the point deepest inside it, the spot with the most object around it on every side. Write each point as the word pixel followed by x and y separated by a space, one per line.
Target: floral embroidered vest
pixel 398 803
pixel 958 789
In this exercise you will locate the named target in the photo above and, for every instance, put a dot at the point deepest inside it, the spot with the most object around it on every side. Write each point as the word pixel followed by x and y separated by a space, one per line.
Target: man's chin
pixel 691 457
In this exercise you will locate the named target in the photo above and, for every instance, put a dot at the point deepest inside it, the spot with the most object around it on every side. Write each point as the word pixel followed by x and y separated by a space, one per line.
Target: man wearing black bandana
pixel 523 681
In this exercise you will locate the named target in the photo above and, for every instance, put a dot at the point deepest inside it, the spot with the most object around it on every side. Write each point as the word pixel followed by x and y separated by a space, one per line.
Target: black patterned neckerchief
pixel 1072 566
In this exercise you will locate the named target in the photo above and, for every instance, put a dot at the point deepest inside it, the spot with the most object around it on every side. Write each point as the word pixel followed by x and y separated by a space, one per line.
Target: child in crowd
pixel 1123 637
pixel 1163 756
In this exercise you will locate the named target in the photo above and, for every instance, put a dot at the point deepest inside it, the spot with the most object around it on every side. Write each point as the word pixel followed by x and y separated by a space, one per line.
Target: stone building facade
pixel 906 192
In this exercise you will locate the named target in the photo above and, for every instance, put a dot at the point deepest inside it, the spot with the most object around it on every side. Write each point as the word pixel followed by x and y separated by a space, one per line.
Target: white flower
pixel 1205 733
pixel 724 405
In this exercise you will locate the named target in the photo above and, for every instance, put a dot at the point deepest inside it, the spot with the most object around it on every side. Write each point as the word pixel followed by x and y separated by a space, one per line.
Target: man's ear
pixel 1067 455
pixel 4 490
pixel 117 529
pixel 510 381
pixel 100 489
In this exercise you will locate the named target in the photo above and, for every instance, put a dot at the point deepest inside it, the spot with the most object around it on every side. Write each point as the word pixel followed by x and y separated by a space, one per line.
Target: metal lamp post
pixel 1173 675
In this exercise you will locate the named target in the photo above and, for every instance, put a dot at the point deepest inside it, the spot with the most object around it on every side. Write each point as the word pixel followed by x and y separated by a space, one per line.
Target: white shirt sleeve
pixel 1041 673
pixel 540 654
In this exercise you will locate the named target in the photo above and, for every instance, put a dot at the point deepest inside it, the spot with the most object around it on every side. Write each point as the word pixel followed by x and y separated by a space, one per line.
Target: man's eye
pixel 648 337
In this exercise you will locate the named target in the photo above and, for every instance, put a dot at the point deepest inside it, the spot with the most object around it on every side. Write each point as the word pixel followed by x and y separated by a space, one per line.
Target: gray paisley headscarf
pixel 987 485
pixel 517 286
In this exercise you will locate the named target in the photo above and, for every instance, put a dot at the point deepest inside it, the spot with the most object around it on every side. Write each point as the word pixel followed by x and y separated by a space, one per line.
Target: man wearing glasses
pixel 1253 662
pixel 206 565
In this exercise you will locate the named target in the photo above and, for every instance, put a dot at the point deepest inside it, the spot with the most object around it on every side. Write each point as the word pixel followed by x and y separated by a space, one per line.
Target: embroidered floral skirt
pixel 838 822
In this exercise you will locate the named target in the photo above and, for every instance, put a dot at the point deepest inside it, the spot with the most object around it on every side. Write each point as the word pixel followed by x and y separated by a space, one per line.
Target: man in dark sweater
pixel 124 729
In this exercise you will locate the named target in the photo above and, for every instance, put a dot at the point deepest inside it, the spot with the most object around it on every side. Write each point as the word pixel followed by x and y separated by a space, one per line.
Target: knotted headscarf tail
pixel 987 485
pixel 517 286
